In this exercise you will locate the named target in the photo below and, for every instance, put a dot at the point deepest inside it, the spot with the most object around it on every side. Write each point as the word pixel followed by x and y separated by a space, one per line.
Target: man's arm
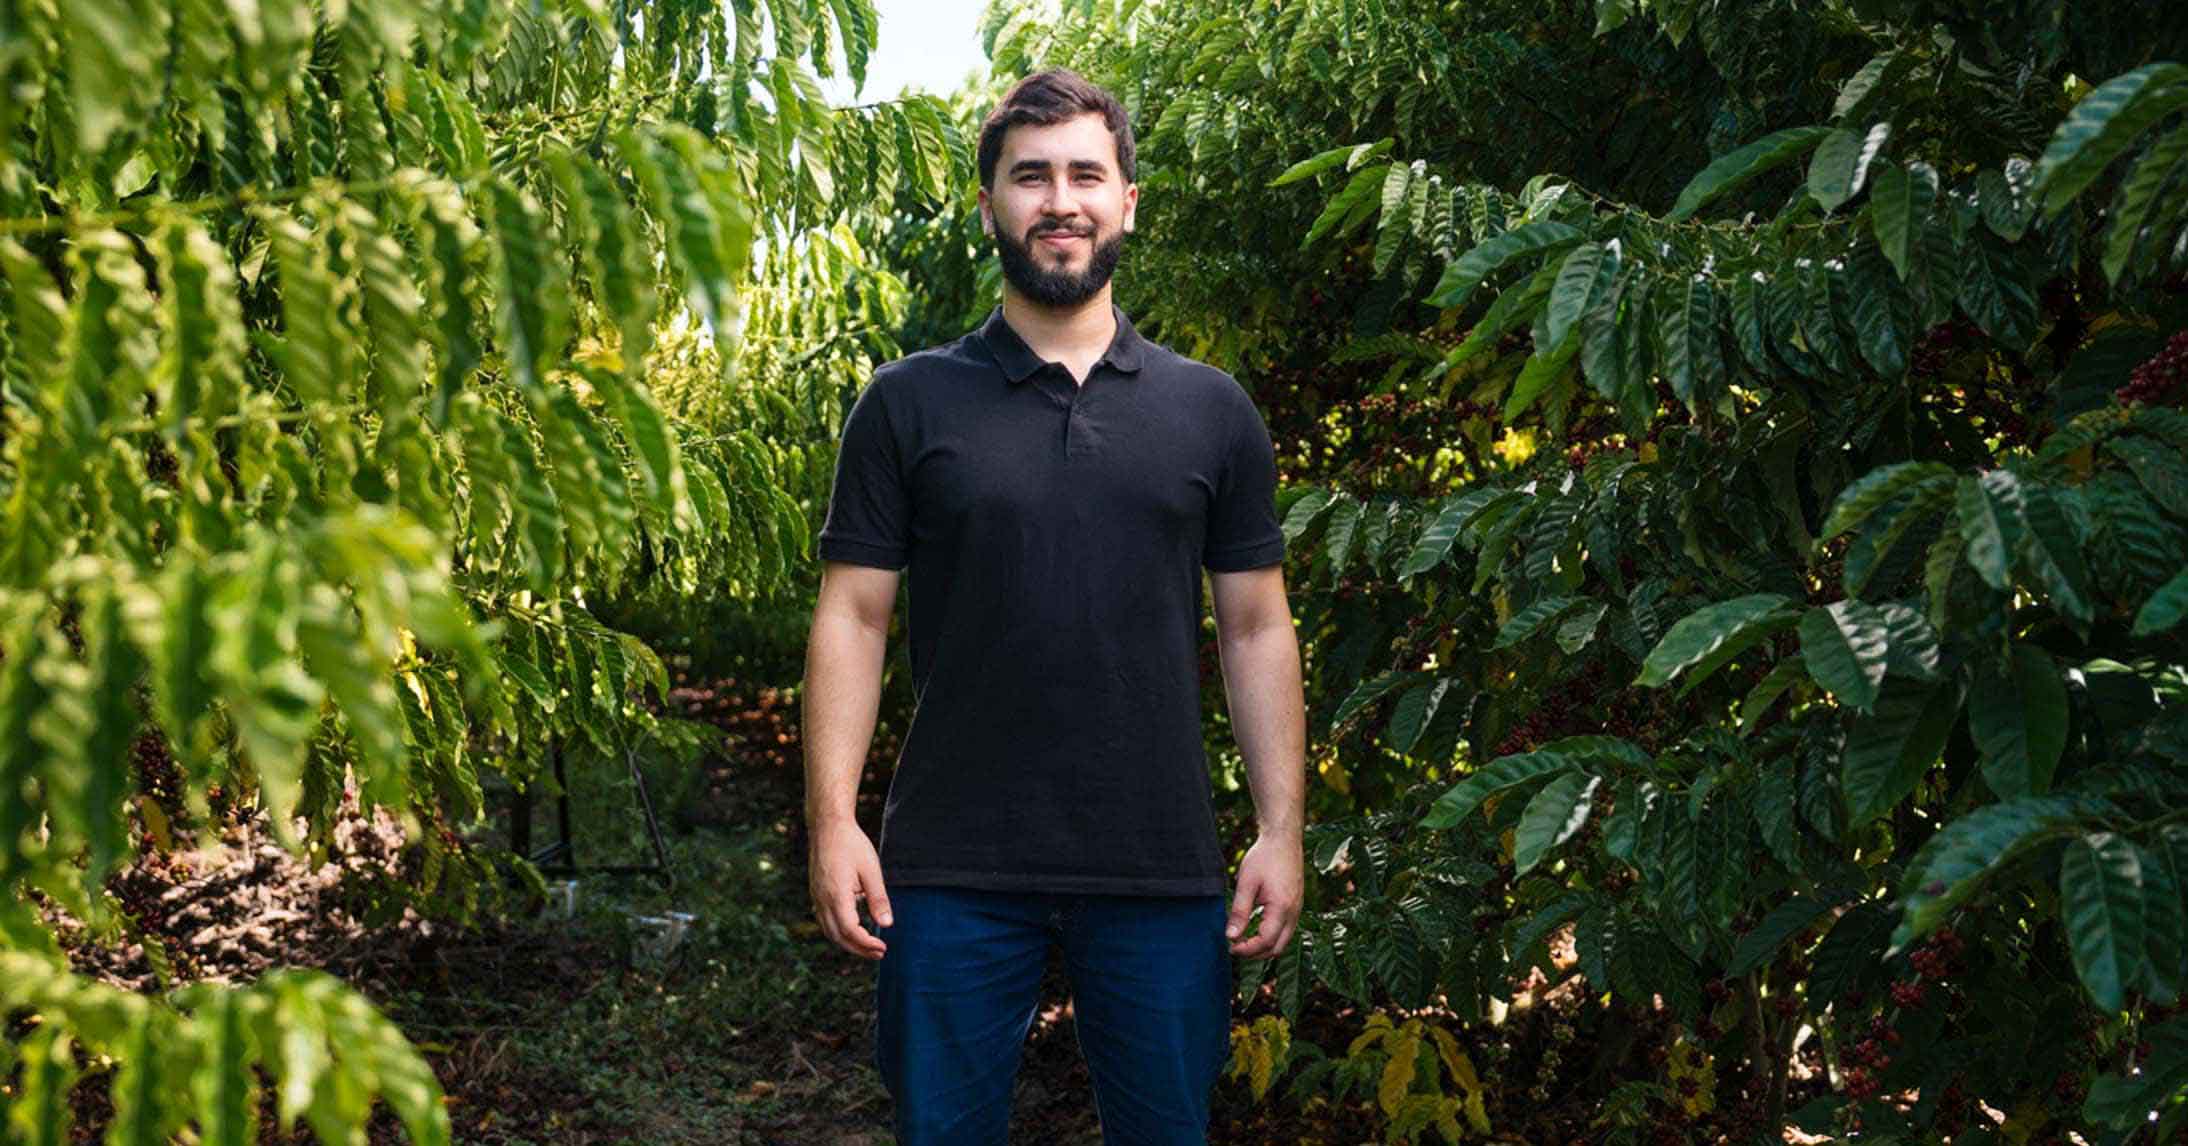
pixel 1261 680
pixel 843 661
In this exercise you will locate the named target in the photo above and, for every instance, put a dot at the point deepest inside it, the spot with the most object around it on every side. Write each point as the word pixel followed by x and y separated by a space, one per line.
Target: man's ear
pixel 987 214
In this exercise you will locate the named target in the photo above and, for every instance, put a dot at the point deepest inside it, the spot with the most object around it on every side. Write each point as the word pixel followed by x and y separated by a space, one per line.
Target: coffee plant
pixel 1737 481
pixel 355 362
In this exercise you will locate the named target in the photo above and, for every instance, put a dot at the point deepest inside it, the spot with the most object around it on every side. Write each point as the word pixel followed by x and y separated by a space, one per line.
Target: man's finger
pixel 827 920
pixel 856 938
pixel 1270 940
pixel 1258 946
pixel 1242 906
pixel 877 897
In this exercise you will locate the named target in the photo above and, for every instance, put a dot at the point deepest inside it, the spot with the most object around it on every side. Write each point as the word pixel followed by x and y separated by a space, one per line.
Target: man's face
pixel 1059 209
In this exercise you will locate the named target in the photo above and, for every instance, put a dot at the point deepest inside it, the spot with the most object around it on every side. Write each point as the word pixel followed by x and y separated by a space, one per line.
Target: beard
pixel 1058 288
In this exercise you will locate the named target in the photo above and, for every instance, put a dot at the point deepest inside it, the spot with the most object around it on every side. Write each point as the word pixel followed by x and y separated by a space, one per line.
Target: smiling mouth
pixel 1060 237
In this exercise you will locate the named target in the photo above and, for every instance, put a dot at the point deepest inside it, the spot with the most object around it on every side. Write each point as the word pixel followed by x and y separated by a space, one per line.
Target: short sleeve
pixel 869 514
pixel 1243 532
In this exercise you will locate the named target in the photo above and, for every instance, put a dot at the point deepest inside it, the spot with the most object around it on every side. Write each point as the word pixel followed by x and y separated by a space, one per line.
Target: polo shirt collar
pixel 1019 361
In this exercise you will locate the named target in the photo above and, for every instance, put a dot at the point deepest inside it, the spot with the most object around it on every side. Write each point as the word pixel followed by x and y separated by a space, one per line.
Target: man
pixel 1055 483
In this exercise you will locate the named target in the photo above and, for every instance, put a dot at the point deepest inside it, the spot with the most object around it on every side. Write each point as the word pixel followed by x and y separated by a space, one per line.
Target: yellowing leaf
pixel 1477 1112
pixel 1398 1072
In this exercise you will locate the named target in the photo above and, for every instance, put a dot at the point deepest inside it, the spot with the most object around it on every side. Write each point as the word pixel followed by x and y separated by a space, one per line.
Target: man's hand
pixel 843 864
pixel 1272 875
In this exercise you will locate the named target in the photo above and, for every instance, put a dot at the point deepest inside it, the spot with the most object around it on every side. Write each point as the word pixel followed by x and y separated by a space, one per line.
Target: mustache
pixel 1057 228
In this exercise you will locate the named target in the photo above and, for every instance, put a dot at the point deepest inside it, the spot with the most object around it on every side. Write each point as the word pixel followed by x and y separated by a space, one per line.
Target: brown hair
pixel 1050 97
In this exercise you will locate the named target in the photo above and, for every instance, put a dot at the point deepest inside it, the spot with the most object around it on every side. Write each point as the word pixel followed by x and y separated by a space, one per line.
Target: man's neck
pixel 1074 336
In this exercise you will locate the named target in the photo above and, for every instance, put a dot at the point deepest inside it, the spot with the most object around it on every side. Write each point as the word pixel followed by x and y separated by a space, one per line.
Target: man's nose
pixel 1060 202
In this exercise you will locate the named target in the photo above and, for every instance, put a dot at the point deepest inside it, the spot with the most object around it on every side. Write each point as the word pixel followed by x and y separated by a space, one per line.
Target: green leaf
pixel 2158 467
pixel 1783 675
pixel 272 701
pixel 1576 630
pixel 1831 168
pixel 1888 750
pixel 1823 297
pixel 709 230
pixel 2017 713
pixel 2129 1102
pixel 2165 914
pixel 1555 815
pixel 41 1115
pixel 1494 530
pixel 449 234
pixel 1874 489
pixel 1391 230
pixel 1516 305
pixel 205 354
pixel 1845 647
pixel 1361 188
pixel 614 254
pixel 1883 312
pixel 1369 691
pixel 1990 508
pixel 318 353
pixel 1870 80
pixel 2051 551
pixel 2134 228
pixel 1304 511
pixel 2002 196
pixel 111 46
pixel 661 467
pixel 1344 528
pixel 1734 169
pixel 1583 280
pixel 1748 323
pixel 530 289
pixel 2101 900
pixel 225 1086
pixel 1872 145
pixel 1898 204
pixel 1635 344
pixel 1414 710
pixel 153 1061
pixel 1317 163
pixel 1532 619
pixel 1914 651
pixel 1693 359
pixel 2164 609
pixel 1600 330
pixel 1707 637
pixel 1850 953
pixel 1758 947
pixel 1467 272
pixel 1436 541
pixel 2102 125
pixel 1970 848
pixel 1994 291
pixel 1573 752
pixel 1874 546
pixel 1543 368
pixel 1630 807
pixel 1777 814
pixel 392 306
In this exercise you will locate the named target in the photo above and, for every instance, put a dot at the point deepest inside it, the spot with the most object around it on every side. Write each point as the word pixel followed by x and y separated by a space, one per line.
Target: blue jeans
pixel 956 991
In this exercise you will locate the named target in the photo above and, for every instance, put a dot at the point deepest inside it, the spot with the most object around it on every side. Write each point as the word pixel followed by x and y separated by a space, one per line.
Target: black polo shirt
pixel 1055 534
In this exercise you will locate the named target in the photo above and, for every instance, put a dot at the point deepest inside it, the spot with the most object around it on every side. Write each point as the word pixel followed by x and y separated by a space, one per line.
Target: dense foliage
pixel 1735 463
pixel 355 361
pixel 1738 483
